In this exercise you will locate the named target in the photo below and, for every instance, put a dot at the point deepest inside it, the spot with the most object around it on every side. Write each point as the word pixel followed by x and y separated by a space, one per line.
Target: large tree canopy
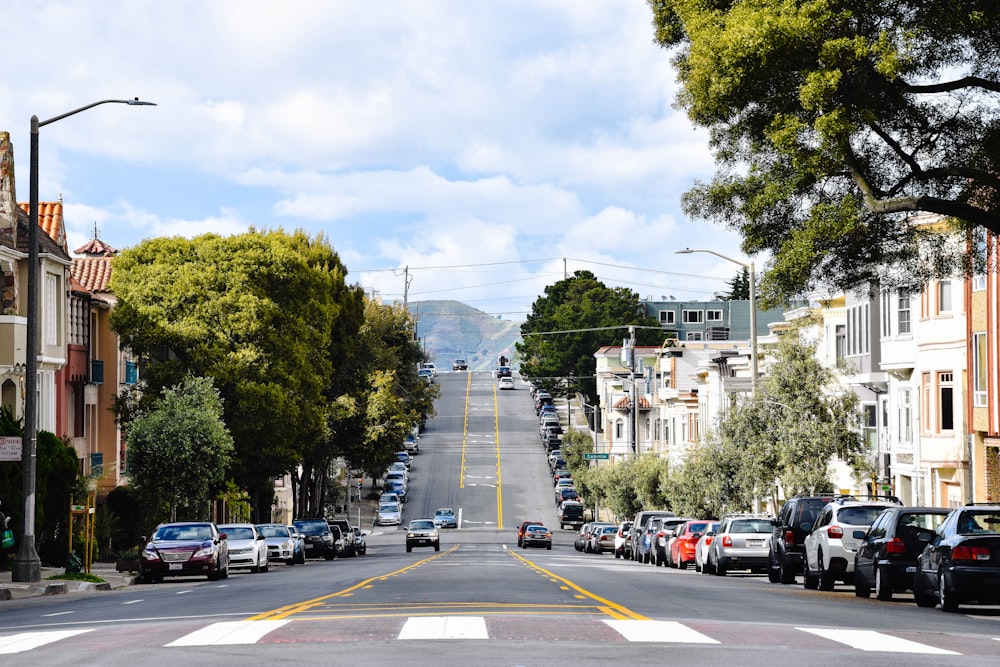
pixel 833 120
pixel 576 317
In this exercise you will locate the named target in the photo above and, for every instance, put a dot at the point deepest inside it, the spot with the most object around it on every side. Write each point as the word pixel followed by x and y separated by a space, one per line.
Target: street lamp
pixel 754 380
pixel 27 566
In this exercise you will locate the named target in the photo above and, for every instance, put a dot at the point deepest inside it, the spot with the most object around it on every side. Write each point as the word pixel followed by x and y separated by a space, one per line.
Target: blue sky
pixel 487 146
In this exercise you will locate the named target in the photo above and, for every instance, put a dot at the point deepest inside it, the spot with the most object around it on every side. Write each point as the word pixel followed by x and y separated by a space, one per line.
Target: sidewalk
pixel 10 590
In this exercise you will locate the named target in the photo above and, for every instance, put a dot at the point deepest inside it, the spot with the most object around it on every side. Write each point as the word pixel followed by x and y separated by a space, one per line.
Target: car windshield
pixel 237 532
pixel 979 522
pixel 312 527
pixel 609 529
pixel 536 528
pixel 274 531
pixel 445 512
pixel 388 507
pixel 172 533
pixel 858 516
pixel 924 520
pixel 750 526
pixel 421 525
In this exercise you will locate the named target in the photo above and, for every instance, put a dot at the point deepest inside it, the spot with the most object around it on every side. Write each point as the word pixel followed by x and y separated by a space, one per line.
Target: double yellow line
pixel 496 440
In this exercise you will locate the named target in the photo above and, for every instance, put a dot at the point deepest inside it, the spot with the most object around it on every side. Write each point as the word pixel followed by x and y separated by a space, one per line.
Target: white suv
pixel 830 545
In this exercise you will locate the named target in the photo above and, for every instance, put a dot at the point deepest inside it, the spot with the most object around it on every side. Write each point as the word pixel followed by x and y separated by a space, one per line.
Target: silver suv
pixel 830 545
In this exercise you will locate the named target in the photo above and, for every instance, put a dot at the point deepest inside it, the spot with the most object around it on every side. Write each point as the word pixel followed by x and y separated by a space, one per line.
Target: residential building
pixel 982 413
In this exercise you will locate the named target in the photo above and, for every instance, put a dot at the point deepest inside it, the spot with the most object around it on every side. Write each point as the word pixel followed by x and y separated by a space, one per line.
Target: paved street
pixel 482 596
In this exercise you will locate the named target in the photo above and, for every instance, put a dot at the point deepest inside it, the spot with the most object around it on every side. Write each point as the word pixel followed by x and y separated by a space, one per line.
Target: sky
pixel 446 149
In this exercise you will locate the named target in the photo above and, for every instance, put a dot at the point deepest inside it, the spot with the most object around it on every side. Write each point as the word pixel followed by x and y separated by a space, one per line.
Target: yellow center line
pixel 465 431
pixel 496 426
pixel 306 605
pixel 610 608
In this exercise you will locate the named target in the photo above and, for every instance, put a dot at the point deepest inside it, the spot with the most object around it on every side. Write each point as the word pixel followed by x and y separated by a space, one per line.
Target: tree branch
pixel 948 86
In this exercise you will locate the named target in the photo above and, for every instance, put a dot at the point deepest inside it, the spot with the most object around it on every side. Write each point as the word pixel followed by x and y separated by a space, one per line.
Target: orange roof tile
pixel 50 219
pixel 96 247
pixel 94 273
pixel 625 403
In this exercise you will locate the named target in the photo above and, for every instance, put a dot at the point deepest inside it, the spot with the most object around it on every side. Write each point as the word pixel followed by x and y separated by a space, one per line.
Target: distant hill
pixel 453 330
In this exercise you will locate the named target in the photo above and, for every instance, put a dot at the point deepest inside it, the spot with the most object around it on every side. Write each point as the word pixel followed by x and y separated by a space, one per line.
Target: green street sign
pixel 592 457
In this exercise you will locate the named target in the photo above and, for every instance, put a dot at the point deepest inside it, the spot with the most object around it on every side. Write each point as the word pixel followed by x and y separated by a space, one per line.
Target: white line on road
pixel 659 631
pixel 869 640
pixel 444 627
pixel 131 601
pixel 27 641
pixel 59 613
pixel 228 633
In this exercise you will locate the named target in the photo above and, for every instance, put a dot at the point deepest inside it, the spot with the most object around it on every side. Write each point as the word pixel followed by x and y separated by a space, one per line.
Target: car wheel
pixel 618 553
pixel 408 548
pixel 826 578
pixel 861 587
pixel 922 598
pixel 437 546
pixel 773 571
pixel 291 561
pixel 946 596
pixel 810 581
pixel 720 570
pixel 697 566
pixel 255 569
pixel 265 566
pixel 883 584
pixel 786 574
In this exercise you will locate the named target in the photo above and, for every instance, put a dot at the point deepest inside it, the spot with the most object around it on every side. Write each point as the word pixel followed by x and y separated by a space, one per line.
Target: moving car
pixel 523 527
pixel 741 542
pixel 318 538
pixel 185 549
pixel 460 365
pixel 422 533
pixel 961 564
pixel 388 514
pixel 247 547
pixel 886 558
pixel 506 383
pixel 281 544
pixel 444 517
pixel 537 535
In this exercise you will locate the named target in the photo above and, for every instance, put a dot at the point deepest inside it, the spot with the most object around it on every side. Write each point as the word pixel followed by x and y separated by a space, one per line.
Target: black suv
pixel 571 514
pixel 788 534
pixel 347 530
pixel 319 540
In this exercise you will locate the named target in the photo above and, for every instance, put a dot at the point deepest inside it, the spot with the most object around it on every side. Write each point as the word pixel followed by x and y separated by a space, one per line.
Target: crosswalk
pixel 514 627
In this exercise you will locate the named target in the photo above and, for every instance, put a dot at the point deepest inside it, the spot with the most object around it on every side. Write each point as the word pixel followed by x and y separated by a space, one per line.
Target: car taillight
pixel 970 553
pixel 708 540
pixel 834 531
pixel 789 537
pixel 727 541
pixel 895 546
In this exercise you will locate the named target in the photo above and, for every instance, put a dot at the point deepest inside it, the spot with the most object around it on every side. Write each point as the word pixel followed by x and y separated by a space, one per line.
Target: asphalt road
pixel 480 599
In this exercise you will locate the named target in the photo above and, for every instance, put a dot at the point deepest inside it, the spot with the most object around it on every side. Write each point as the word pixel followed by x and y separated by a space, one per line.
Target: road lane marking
pixel 465 432
pixel 306 605
pixel 658 631
pixel 228 633
pixel 444 627
pixel 27 641
pixel 58 613
pixel 131 601
pixel 870 640
pixel 608 607
pixel 496 436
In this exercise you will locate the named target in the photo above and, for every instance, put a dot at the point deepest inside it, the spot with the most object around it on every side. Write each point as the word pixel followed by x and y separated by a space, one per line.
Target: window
pixel 944 296
pixel 840 337
pixel 668 317
pixel 979 370
pixel 905 430
pixel 946 409
pixel 926 389
pixel 903 312
pixel 713 315
pixel 979 254
pixel 619 429
pixel 693 316
pixel 886 314
pixel 857 329
pixel 869 428
pixel 695 335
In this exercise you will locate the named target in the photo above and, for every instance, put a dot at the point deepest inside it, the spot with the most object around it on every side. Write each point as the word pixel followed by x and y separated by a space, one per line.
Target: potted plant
pixel 127 561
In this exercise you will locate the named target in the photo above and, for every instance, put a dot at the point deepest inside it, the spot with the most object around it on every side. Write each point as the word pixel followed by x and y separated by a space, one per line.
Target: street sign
pixel 10 448
pixel 593 457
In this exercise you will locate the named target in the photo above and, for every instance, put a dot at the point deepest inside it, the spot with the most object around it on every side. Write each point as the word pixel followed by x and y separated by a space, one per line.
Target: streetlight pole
pixel 754 378
pixel 27 566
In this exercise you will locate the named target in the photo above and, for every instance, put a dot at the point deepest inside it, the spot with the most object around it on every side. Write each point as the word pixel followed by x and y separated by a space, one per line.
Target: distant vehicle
pixel 281 543
pixel 429 367
pixel 348 532
pixel 445 518
pixel 537 535
pixel 523 527
pixel 422 533
pixel 460 365
pixel 388 514
pixel 360 548
pixel 506 383
pixel 602 540
pixel 427 375
pixel 570 514
pixel 318 537
pixel 411 446
pixel 247 547
pixel 503 372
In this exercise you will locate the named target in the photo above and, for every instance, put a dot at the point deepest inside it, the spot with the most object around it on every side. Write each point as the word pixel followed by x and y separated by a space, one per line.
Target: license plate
pixel 911 569
pixel 176 566
pixel 309 546
pixel 755 543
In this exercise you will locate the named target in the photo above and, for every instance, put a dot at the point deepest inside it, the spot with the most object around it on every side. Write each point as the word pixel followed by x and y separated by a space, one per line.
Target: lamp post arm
pixel 35 123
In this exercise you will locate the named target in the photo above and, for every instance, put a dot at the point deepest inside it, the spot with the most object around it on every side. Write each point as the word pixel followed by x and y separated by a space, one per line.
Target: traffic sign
pixel 592 457
pixel 10 448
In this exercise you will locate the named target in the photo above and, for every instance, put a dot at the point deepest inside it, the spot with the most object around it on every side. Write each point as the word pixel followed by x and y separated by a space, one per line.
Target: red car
pixel 185 549
pixel 682 549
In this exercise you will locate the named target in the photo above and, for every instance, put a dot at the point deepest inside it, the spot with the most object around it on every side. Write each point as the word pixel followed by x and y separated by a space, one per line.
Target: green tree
pixel 179 450
pixel 260 313
pixel 576 317
pixel 833 120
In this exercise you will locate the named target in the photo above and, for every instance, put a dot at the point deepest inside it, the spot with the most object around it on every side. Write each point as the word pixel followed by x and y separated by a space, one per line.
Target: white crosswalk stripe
pixel 659 631
pixel 445 627
pixel 870 640
pixel 228 633
pixel 26 641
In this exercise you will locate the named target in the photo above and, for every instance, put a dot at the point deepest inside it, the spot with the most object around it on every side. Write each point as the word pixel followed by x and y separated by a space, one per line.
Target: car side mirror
pixel 859 534
pixel 806 527
pixel 223 536
pixel 776 523
pixel 260 536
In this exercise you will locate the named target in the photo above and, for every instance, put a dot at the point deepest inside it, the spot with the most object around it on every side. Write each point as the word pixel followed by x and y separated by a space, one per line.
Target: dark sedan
pixel 537 535
pixel 887 554
pixel 961 564
pixel 186 549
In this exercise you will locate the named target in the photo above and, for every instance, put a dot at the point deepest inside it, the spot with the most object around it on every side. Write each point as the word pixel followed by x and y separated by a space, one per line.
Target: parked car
pixel 411 445
pixel 506 383
pixel 620 536
pixel 959 565
pixel 788 532
pixel 580 541
pixel 460 365
pixel 504 371
pixel 389 497
pixel 570 514
pixel 444 517
pixel 701 550
pixel 639 526
pixel 566 493
pixel 830 545
pixel 347 530
pixel 404 457
pixel 602 539
pixel 318 538
pixel 887 553
pixel 537 535
pixel 397 487
pixel 426 374
pixel 360 547
pixel 300 544
pixel 422 533
pixel 428 366
pixel 388 514
pixel 523 527
pixel 663 539
pixel 646 543
pixel 184 549
pixel 741 542
pixel 588 538
pixel 686 537
pixel 281 544
pixel 560 475
pixel 247 547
